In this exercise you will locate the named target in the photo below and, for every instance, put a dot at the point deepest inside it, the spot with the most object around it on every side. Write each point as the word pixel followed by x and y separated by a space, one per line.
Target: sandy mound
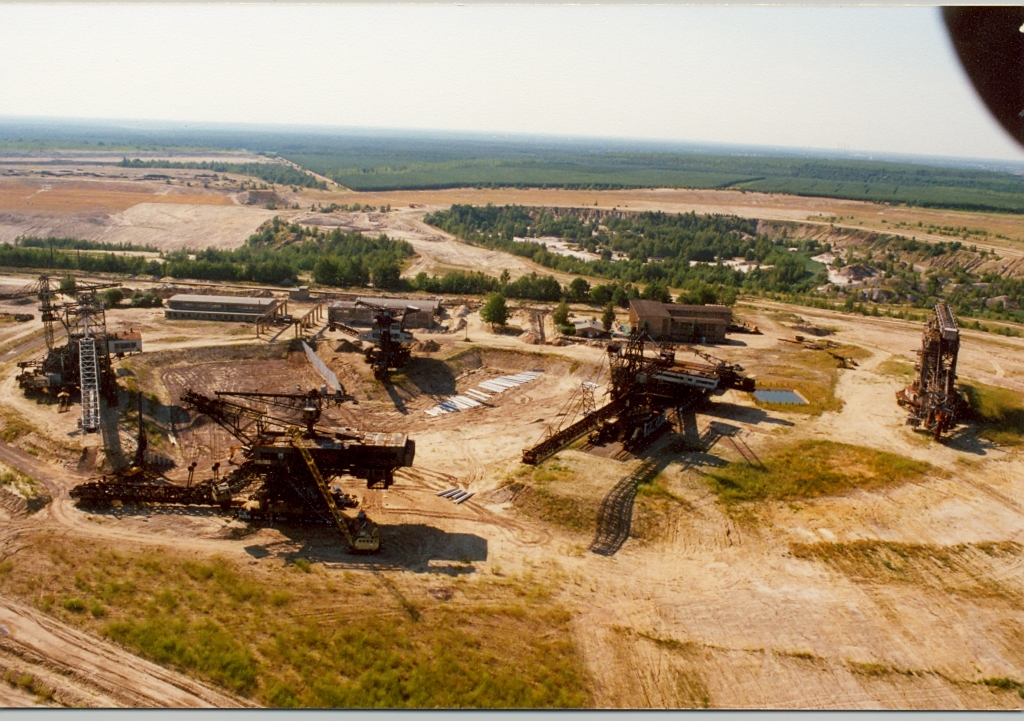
pixel 425 346
pixel 347 346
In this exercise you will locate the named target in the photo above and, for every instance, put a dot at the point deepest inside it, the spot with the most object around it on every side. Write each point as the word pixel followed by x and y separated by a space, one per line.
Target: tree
pixel 579 290
pixel 494 311
pixel 327 272
pixel 67 284
pixel 620 297
pixel 386 275
pixel 608 317
pixel 602 294
pixel 505 278
pixel 656 291
pixel 561 314
pixel 113 297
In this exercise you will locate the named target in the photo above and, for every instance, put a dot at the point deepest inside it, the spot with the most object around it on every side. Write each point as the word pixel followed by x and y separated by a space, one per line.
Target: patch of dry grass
pixel 812 373
pixel 964 569
pixel 809 469
pixel 898 367
pixel 287 637
pixel 550 492
pixel 18 481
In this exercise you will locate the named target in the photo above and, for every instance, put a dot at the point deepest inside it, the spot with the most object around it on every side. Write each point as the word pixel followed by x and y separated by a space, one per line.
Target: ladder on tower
pixel 88 367
pixel 361 543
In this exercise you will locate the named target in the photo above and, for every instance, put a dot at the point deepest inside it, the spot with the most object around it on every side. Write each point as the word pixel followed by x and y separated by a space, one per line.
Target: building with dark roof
pixel 219 307
pixel 419 313
pixel 682 323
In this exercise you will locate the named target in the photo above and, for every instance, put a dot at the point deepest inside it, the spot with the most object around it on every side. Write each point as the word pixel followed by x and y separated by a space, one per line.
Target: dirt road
pixel 81 670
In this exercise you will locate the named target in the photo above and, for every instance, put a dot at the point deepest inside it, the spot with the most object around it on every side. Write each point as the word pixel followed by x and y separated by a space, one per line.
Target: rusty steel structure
pixel 932 399
pixel 641 390
pixel 82 364
pixel 389 350
pixel 288 457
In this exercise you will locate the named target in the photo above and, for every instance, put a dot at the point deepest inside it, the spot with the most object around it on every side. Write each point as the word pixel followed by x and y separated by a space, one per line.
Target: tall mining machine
pixel 932 399
pixel 82 364
pixel 389 350
pixel 641 390
pixel 288 457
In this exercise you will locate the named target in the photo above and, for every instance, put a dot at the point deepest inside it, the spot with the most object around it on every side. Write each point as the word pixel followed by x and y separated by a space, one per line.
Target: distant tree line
pixel 270 172
pixel 79 244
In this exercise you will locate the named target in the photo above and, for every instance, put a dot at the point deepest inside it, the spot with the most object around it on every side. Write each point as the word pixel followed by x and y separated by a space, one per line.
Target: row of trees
pixel 270 172
pixel 495 311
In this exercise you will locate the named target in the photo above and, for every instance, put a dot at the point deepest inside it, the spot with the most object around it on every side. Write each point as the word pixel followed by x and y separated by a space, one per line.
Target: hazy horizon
pixel 524 140
pixel 847 81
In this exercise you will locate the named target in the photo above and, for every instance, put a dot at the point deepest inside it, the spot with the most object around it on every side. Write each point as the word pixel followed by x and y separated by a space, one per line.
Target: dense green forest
pixel 685 251
pixel 854 179
pixel 270 172
pixel 402 163
pixel 78 244
pixel 36 253
pixel 659 246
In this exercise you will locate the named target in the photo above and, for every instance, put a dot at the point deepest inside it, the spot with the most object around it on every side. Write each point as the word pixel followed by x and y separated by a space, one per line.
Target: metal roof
pixel 402 303
pixel 229 299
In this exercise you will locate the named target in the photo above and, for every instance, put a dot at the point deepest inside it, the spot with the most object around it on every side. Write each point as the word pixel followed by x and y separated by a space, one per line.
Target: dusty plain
pixel 897 595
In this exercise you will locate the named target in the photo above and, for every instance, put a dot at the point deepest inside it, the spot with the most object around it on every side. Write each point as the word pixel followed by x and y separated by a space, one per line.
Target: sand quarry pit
pixel 891 595
pixel 901 592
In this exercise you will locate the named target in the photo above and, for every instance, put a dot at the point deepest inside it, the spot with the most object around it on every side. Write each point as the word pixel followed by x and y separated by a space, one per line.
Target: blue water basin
pixel 770 396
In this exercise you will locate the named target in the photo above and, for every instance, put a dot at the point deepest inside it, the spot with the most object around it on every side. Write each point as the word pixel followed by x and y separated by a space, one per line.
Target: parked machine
pixel 389 340
pixel 82 364
pixel 642 391
pixel 288 458
pixel 932 399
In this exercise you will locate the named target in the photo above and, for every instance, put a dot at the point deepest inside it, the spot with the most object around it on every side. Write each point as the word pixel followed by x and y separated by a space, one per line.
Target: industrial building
pixel 590 328
pixel 221 307
pixel 683 323
pixel 354 312
pixel 123 343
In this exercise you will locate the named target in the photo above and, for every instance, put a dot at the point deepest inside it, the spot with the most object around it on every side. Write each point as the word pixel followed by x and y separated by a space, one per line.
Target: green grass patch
pixel 15 427
pixel 75 605
pixel 549 506
pixel 656 508
pixel 998 412
pixel 545 492
pixel 969 570
pixel 809 469
pixel 13 478
pixel 324 639
pixel 812 373
pixel 897 367
pixel 1002 683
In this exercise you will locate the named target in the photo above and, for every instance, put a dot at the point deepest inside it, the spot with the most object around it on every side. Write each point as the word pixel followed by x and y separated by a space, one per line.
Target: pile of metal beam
pixel 455 495
pixel 477 397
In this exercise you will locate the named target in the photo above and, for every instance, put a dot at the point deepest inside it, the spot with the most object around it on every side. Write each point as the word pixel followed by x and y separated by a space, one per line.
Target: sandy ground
pixel 699 607
pixel 709 609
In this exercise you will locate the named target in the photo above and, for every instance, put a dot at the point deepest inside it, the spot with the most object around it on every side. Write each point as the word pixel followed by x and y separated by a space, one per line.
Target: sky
pixel 867 79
